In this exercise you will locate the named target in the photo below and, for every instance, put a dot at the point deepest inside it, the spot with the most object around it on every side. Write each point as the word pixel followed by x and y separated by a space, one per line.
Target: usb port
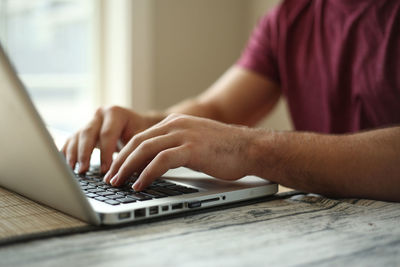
pixel 153 210
pixel 164 208
pixel 140 213
pixel 177 206
pixel 124 215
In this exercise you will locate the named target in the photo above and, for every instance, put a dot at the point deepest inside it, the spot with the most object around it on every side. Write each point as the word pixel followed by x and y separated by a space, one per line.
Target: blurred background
pixel 75 55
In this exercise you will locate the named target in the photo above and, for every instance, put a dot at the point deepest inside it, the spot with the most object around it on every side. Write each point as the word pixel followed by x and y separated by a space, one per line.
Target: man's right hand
pixel 108 126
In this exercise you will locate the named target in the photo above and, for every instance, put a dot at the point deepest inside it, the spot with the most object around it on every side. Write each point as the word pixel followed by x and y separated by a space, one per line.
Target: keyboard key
pixel 87 187
pixel 100 198
pixel 112 202
pixel 92 195
pixel 113 196
pixel 139 196
pixel 153 194
pixel 96 190
pixel 125 200
pixel 93 182
pixel 167 191
pixel 104 186
pixel 106 193
pixel 96 178
pixel 113 189
pixel 183 189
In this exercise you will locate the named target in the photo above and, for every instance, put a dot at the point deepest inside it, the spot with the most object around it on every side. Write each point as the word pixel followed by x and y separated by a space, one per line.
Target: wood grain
pixel 299 230
pixel 22 218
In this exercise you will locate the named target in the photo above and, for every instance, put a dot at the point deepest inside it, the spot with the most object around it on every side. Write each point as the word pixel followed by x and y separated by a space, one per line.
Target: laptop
pixel 32 166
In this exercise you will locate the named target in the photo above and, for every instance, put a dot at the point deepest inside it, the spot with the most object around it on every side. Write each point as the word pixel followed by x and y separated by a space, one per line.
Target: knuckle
pixel 163 157
pixel 179 135
pixel 113 110
pixel 173 115
pixel 185 136
pixel 86 131
pixel 145 146
pixel 190 153
pixel 179 120
pixel 106 133
pixel 190 147
pixel 136 140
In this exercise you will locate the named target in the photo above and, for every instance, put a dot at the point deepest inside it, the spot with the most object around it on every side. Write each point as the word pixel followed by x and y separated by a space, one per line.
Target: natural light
pixel 50 43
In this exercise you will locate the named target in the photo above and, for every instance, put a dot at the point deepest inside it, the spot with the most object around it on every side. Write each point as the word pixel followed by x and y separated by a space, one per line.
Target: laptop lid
pixel 28 156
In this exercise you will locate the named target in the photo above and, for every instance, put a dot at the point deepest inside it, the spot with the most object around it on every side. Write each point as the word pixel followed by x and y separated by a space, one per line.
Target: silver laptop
pixel 31 165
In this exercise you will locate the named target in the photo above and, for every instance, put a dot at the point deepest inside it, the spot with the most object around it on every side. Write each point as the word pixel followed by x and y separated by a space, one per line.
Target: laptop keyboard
pixel 93 186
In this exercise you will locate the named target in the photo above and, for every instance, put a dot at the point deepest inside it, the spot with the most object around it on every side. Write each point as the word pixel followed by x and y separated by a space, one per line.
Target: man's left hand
pixel 214 148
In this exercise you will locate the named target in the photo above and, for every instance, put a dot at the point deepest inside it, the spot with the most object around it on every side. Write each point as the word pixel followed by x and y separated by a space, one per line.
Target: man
pixel 336 61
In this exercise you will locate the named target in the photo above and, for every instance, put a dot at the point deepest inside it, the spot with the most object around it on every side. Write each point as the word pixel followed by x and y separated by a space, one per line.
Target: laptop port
pixel 153 210
pixel 177 206
pixel 165 208
pixel 124 215
pixel 140 213
pixel 194 204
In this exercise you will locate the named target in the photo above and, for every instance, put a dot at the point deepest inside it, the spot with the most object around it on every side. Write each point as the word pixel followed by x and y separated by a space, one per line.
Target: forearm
pixel 238 97
pixel 195 107
pixel 192 107
pixel 365 165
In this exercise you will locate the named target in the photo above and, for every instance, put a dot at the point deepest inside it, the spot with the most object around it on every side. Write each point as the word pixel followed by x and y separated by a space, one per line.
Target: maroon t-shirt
pixel 337 62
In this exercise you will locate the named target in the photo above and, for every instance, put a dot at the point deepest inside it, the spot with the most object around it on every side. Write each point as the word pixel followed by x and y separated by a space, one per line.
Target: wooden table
pixel 292 229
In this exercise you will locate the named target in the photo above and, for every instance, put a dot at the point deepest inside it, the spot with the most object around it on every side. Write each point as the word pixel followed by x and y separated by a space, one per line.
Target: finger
pixel 71 151
pixel 109 135
pixel 64 148
pixel 144 153
pixel 87 141
pixel 164 161
pixel 130 147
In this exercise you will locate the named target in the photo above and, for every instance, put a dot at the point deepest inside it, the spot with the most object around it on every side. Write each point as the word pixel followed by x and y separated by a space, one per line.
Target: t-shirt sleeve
pixel 260 53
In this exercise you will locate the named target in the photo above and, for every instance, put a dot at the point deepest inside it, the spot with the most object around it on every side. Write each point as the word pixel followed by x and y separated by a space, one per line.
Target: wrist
pixel 266 154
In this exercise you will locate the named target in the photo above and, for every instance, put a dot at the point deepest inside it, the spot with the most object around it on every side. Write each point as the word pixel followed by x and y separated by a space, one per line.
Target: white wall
pixel 195 42
pixel 192 43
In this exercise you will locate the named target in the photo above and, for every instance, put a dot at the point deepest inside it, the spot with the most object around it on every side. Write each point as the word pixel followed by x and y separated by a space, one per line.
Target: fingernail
pixel 137 186
pixel 79 166
pixel 106 177
pixel 114 180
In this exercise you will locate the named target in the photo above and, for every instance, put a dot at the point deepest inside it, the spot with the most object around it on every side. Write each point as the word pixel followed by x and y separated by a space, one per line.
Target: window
pixel 50 42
